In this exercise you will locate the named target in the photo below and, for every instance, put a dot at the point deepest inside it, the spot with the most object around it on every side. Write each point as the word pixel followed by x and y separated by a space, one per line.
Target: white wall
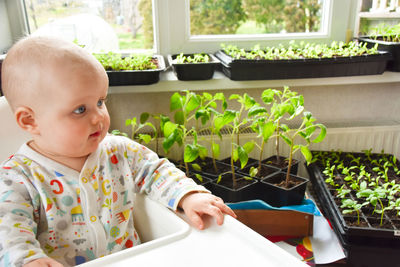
pixel 5 33
pixel 334 105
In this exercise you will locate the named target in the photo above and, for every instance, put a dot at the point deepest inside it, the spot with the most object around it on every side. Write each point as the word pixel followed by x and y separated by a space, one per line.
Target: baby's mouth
pixel 96 134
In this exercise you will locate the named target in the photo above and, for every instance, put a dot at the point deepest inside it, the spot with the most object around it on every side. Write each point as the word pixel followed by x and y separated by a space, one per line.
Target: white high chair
pixel 167 239
pixel 11 136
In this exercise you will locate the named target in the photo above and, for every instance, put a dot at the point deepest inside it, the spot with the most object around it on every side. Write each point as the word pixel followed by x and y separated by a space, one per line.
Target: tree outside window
pixel 254 16
pixel 99 24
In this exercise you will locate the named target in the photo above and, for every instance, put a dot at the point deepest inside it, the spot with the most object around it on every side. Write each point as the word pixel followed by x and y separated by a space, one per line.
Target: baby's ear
pixel 25 118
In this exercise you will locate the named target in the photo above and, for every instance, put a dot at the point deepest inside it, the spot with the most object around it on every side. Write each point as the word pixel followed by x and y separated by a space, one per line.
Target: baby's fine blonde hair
pixel 27 64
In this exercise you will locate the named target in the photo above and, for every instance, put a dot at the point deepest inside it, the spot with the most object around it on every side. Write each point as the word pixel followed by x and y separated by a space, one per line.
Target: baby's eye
pixel 100 102
pixel 80 110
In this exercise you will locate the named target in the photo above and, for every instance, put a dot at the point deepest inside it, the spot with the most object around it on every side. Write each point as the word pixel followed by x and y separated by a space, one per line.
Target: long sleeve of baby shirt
pixel 48 209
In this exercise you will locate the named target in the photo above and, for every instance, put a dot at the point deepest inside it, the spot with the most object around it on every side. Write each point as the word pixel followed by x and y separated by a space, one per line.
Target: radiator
pixel 347 139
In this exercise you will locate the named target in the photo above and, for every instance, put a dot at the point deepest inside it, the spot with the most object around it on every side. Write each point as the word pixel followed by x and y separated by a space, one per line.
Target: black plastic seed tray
pixel 243 69
pixel 194 71
pixel 351 234
pixel 391 47
pixel 366 245
pixel 137 77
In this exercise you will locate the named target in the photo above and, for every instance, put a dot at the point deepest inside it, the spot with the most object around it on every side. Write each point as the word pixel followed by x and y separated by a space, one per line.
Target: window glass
pixel 218 17
pixel 100 25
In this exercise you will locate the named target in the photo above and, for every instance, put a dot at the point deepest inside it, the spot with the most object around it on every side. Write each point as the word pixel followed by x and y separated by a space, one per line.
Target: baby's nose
pixel 97 116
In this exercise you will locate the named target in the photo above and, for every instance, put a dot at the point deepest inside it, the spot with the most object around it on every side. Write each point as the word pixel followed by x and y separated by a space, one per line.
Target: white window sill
pixel 169 83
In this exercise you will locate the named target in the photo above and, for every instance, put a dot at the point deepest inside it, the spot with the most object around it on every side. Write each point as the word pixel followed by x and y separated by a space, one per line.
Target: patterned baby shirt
pixel 50 210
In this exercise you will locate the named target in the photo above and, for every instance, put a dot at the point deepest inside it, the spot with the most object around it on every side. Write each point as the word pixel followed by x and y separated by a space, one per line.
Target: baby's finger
pixel 215 212
pixel 196 220
pixel 225 209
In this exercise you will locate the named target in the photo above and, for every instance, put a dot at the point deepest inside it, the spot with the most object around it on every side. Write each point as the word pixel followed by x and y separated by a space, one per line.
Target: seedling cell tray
pixel 243 69
pixel 366 244
pixel 391 47
pixel 194 71
pixel 137 77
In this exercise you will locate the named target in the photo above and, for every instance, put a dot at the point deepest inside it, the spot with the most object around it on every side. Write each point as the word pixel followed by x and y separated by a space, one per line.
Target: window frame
pixel 172 27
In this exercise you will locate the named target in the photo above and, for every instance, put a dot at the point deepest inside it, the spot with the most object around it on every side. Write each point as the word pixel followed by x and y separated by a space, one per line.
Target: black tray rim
pixel 228 61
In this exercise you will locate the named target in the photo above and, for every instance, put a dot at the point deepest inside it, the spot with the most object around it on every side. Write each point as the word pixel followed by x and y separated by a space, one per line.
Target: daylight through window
pixel 100 25
pixel 208 17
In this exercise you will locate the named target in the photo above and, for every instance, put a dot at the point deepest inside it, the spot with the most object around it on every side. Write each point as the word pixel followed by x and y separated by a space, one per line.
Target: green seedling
pixel 233 120
pixel 286 105
pixel 178 132
pixel 195 58
pixel 374 196
pixel 136 127
pixel 351 206
pixel 301 51
pixel 388 33
pixel 207 112
pixel 306 131
pixel 329 172
pixel 116 62
pixel 342 192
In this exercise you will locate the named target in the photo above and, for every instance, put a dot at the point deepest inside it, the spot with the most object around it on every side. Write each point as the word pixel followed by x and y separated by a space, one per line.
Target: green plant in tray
pixel 388 33
pixel 178 132
pixel 136 127
pixel 195 58
pixel 207 112
pixel 263 123
pixel 306 131
pixel 116 62
pixel 349 206
pixel 303 50
pixel 233 119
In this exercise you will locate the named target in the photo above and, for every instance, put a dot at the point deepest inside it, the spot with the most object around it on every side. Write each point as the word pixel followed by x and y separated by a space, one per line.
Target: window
pixel 335 21
pixel 211 17
pixel 101 25
pixel 192 25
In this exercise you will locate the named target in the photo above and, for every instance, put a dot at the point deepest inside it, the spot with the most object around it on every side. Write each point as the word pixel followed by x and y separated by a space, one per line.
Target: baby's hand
pixel 43 262
pixel 196 204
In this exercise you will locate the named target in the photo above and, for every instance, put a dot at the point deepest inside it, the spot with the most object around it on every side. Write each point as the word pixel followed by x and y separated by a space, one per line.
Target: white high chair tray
pixel 178 244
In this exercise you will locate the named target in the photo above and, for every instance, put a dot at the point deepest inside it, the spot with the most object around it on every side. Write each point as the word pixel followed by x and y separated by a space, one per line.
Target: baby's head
pixel 56 90
pixel 35 64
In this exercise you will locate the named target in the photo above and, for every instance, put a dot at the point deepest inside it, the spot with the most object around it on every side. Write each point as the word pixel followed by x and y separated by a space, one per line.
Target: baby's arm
pixel 18 243
pixel 163 182
pixel 195 205
pixel 43 262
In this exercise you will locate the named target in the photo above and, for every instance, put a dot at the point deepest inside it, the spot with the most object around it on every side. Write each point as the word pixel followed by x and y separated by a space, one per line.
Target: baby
pixel 66 196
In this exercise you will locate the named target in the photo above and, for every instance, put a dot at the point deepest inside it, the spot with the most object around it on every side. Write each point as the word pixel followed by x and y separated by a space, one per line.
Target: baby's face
pixel 71 116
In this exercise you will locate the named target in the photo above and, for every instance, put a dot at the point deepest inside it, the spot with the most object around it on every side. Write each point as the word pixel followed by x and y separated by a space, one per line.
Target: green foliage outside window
pixel 275 16
pixel 216 16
